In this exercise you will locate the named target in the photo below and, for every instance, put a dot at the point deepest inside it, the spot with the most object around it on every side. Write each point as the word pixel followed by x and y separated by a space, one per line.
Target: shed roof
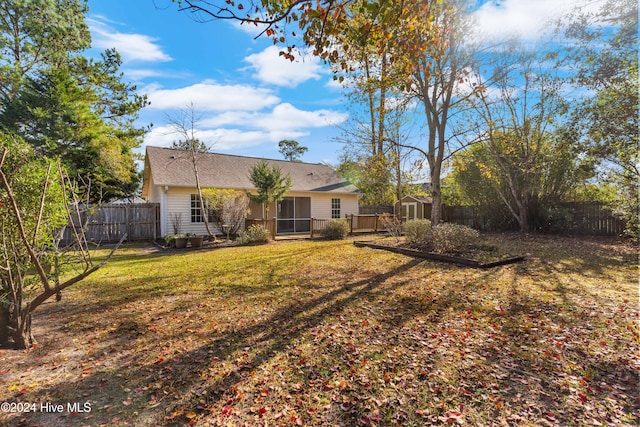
pixel 421 199
pixel 173 167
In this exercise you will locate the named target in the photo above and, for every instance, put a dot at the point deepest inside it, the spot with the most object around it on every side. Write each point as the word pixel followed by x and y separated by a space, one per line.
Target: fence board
pixel 372 210
pixel 108 223
pixel 357 224
pixel 588 218
pixel 595 218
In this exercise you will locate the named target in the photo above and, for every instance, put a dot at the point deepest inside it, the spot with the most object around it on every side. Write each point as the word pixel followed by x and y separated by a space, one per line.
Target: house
pixel 317 191
pixel 413 207
pixel 133 200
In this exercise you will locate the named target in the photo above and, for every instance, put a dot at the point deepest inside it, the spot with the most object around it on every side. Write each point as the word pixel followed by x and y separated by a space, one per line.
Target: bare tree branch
pixel 21 229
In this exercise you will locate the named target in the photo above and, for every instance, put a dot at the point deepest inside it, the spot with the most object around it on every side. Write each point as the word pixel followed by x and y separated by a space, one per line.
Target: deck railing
pixel 357 224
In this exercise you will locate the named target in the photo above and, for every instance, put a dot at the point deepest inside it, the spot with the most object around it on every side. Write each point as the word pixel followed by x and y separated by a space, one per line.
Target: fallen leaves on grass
pixel 342 336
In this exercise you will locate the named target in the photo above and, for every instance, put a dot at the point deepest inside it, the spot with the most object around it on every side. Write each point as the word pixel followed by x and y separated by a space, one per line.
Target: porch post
pixel 274 228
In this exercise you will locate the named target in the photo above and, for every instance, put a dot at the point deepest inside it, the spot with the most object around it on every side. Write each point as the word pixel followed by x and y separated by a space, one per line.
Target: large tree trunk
pixel 523 217
pixel 22 337
pixel 436 200
pixel 436 190
pixel 4 325
pixel 16 325
pixel 205 214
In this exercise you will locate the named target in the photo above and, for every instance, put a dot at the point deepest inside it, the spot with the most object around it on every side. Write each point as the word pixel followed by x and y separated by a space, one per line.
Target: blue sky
pixel 246 97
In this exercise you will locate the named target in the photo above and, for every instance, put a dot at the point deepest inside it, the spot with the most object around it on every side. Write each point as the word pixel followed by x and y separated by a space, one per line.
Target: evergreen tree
pixel 65 105
pixel 291 150
pixel 269 183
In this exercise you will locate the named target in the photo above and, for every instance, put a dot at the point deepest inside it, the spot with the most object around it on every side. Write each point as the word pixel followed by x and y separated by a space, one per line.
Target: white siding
pixel 157 195
pixel 321 205
pixel 179 203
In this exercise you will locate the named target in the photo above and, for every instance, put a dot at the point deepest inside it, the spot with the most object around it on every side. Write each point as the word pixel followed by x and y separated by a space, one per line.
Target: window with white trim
pixel 335 208
pixel 196 212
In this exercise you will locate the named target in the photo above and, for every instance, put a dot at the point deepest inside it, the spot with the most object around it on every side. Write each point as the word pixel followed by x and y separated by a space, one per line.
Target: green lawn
pixel 324 333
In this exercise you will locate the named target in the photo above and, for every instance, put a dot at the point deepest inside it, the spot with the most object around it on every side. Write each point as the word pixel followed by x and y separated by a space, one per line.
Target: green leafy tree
pixel 372 176
pixel 291 150
pixel 65 117
pixel 66 105
pixel 270 184
pixel 227 208
pixel 37 34
pixel 604 124
pixel 509 178
pixel 35 206
pixel 409 52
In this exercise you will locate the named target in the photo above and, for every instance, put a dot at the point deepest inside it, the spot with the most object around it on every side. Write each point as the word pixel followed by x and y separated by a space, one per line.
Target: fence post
pixel 127 216
pixel 311 227
pixel 157 227
pixel 351 225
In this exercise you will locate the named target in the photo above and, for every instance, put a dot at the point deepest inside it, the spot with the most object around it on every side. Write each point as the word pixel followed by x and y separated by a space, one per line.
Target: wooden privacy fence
pixel 372 210
pixel 585 218
pixel 594 218
pixel 108 223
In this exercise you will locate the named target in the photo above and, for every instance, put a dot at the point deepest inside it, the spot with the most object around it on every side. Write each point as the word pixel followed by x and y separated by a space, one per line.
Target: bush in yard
pixel 554 219
pixel 254 234
pixel 336 230
pixel 452 237
pixel 392 224
pixel 170 240
pixel 227 208
pixel 418 232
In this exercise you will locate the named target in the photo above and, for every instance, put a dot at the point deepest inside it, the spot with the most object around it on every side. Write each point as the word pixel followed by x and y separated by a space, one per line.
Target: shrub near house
pixel 336 230
pixel 254 234
pixel 443 238
pixel 452 237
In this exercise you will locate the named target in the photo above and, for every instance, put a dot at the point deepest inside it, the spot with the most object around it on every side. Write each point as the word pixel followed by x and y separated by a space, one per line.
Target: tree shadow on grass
pixel 175 382
pixel 202 376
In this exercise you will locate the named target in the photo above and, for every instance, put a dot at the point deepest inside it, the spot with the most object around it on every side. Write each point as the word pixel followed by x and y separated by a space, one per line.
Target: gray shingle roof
pixel 423 199
pixel 174 168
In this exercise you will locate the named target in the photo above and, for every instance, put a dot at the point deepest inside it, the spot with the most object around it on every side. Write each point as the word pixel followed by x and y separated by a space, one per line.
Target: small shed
pixel 413 207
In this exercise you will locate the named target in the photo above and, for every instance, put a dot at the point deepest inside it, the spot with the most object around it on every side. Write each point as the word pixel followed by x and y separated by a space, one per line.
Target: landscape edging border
pixel 440 257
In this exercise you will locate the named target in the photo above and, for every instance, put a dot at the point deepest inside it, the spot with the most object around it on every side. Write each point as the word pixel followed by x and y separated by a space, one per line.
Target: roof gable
pixel 172 167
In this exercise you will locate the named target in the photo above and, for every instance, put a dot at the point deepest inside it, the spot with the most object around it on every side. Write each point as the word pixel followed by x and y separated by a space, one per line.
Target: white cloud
pixel 141 73
pixel 215 139
pixel 234 130
pixel 528 19
pixel 132 47
pixel 220 139
pixel 272 68
pixel 211 96
pixel 283 118
pixel 286 116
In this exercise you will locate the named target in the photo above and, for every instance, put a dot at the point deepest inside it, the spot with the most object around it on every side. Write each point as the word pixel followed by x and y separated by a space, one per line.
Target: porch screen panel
pixel 286 208
pixel 303 214
pixel 294 215
pixel 303 207
pixel 286 215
